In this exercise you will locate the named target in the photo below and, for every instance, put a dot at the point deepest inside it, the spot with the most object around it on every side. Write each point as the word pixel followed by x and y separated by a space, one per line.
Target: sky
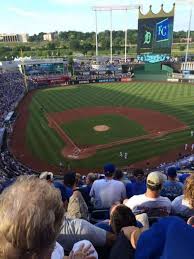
pixel 34 16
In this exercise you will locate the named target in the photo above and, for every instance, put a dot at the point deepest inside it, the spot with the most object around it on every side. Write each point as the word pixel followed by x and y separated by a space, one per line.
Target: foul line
pixel 149 136
pixel 60 131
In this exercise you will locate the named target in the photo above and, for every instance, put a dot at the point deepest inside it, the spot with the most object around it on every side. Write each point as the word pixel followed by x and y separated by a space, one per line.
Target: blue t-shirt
pixel 169 238
pixel 172 189
pixel 135 188
pixel 66 192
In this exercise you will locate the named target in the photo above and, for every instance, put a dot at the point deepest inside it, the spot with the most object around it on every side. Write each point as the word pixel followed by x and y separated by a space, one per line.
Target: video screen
pixel 44 69
pixel 155 35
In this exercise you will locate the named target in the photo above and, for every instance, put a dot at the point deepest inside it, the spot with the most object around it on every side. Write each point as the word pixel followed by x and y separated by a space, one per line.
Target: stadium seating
pixel 12 90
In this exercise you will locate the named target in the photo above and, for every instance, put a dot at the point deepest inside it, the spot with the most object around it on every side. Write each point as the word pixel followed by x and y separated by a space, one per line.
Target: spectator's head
pixel 84 179
pixel 189 190
pixel 109 170
pixel 70 179
pixel 121 216
pixel 171 173
pixel 46 176
pixel 90 178
pixel 138 174
pixel 79 180
pixel 118 175
pixel 183 177
pixel 31 213
pixel 155 181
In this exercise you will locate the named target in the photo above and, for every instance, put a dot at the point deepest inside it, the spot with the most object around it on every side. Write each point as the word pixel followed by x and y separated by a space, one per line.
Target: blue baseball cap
pixel 171 172
pixel 109 168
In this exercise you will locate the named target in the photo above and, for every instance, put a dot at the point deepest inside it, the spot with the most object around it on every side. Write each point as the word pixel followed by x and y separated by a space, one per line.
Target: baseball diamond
pixel 149 121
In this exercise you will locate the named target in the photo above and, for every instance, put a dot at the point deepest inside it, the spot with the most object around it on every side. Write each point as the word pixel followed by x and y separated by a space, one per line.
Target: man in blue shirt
pixel 85 190
pixel 172 188
pixel 138 186
pixel 66 192
pixel 67 185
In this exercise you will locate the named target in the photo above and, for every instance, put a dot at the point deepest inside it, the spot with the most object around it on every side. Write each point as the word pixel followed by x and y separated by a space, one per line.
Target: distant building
pixel 13 37
pixel 185 40
pixel 50 36
pixel 23 37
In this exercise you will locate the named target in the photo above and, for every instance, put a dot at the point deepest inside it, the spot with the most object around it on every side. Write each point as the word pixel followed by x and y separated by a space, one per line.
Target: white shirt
pixel 107 192
pixel 76 230
pixel 182 207
pixel 160 206
pixel 58 252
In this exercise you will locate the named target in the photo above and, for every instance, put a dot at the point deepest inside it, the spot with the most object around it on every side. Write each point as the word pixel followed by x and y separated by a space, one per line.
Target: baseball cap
pixel 109 168
pixel 171 171
pixel 155 178
pixel 46 176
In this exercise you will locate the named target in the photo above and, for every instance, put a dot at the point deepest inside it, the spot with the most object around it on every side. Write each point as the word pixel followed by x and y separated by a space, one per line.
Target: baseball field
pixel 86 126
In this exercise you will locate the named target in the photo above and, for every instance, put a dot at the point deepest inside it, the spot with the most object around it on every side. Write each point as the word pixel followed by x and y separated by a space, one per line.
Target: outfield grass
pixel 82 132
pixel 173 99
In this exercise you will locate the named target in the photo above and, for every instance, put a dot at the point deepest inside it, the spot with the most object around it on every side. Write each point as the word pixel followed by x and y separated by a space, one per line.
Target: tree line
pixel 70 43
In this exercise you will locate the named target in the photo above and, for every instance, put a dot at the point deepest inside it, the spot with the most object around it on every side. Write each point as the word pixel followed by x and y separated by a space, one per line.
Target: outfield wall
pixel 151 72
pixel 103 80
pixel 151 76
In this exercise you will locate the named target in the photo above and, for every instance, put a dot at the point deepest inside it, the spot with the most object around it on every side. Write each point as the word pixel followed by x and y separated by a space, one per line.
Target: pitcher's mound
pixel 101 128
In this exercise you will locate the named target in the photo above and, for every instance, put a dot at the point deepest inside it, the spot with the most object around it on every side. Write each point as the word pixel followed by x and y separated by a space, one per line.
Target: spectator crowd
pixel 114 214
pixel 11 91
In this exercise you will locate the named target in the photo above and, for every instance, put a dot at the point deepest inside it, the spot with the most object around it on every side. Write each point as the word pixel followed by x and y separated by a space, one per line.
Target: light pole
pixel 188 37
pixel 181 2
pixel 96 14
pixel 111 36
pixel 126 37
pixel 110 9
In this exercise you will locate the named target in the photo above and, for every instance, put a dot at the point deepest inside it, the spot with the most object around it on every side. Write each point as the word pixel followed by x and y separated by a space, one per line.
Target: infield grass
pixel 82 131
pixel 173 99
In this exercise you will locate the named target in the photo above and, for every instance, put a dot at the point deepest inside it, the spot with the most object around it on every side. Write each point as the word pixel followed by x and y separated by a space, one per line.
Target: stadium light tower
pixel 110 9
pixel 189 33
pixel 190 3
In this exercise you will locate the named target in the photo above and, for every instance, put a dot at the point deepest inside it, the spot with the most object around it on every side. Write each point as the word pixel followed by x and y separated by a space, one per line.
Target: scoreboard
pixel 155 33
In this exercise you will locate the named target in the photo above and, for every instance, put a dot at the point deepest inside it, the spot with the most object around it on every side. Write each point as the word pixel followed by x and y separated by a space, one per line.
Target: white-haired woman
pixel 31 213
